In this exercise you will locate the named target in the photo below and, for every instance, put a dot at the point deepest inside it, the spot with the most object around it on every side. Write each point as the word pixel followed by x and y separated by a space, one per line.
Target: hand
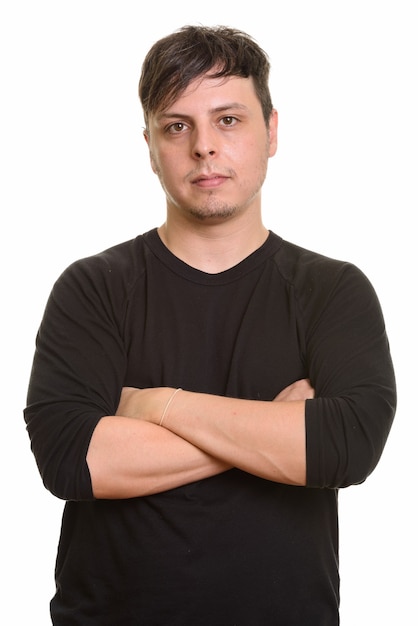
pixel 299 390
pixel 144 404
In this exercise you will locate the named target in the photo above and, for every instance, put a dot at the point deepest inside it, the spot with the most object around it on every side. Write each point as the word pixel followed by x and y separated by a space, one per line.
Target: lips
pixel 209 180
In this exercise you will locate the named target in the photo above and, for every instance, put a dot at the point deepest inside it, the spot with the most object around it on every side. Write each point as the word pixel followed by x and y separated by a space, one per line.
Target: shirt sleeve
pixel 76 377
pixel 350 366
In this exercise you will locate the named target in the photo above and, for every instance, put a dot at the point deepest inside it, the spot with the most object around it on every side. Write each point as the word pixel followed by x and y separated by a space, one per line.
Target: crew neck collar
pixel 176 265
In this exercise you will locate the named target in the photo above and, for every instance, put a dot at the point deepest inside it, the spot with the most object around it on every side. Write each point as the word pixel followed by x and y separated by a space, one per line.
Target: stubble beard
pixel 213 210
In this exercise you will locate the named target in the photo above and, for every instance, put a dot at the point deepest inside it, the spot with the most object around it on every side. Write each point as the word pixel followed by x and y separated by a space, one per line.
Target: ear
pixel 272 130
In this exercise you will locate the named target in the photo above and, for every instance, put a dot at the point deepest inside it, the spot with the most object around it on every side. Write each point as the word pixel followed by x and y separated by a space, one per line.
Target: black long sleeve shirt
pixel 232 549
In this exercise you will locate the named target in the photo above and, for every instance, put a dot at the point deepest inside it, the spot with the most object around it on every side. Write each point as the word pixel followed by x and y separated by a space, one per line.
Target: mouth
pixel 207 181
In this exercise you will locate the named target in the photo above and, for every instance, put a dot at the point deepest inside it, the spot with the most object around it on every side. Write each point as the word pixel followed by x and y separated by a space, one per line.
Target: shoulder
pixel 316 278
pixel 303 267
pixel 103 281
pixel 298 264
pixel 122 265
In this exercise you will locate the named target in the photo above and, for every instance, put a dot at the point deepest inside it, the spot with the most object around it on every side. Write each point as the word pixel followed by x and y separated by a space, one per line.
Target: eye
pixel 229 120
pixel 176 128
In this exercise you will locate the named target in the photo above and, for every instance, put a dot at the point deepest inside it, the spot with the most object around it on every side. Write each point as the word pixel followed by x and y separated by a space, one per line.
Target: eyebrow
pixel 167 115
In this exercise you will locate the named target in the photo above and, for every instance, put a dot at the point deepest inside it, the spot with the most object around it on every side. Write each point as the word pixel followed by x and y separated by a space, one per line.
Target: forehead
pixel 207 93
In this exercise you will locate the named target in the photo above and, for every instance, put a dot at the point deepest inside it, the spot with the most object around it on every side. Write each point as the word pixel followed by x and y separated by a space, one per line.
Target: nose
pixel 204 143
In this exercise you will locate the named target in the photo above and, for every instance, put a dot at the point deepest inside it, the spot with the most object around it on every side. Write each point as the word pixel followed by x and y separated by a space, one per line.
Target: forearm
pixel 129 458
pixel 263 438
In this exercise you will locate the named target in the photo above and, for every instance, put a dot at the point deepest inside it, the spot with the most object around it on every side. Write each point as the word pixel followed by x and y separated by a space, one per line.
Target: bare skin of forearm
pixel 129 458
pixel 266 439
pixel 263 438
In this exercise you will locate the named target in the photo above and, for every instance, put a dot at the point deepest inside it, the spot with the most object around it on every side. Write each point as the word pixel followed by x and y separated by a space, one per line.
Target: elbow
pixel 68 481
pixel 343 468
pixel 347 442
pixel 352 467
pixel 60 448
pixel 64 470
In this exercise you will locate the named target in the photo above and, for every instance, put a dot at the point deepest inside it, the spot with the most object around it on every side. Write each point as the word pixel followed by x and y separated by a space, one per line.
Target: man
pixel 199 394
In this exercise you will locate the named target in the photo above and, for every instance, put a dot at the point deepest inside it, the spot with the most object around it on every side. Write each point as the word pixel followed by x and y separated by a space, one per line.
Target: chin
pixel 213 214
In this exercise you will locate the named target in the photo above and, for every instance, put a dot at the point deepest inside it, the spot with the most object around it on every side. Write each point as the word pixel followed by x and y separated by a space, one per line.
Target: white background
pixel 75 179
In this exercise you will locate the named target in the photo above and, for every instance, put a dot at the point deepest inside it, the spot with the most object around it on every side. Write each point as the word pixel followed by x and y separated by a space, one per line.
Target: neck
pixel 213 248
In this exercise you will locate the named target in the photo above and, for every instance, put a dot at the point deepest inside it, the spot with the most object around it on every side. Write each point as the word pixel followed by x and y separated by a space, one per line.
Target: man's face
pixel 210 149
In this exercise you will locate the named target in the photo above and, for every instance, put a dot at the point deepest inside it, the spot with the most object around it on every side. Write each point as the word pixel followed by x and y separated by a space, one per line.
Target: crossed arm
pixel 132 454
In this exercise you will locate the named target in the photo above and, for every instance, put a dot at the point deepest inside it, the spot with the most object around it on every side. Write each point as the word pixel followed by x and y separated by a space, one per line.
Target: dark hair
pixel 175 61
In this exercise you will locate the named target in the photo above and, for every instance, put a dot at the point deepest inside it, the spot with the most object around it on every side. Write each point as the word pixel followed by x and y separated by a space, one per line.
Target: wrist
pixel 168 405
